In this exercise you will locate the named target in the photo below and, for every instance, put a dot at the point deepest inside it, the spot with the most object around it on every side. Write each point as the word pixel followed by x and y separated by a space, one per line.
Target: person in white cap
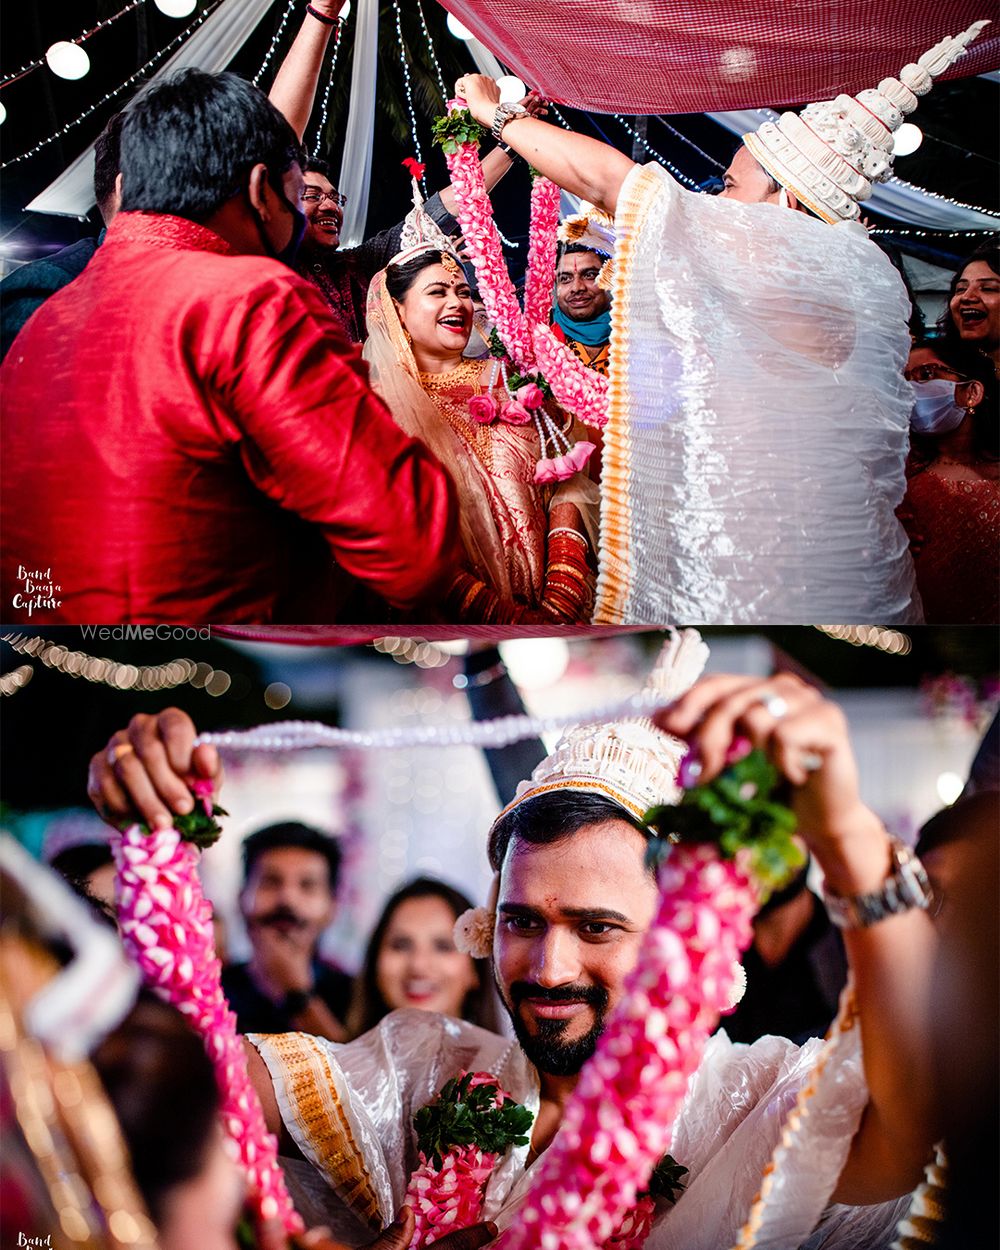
pixel 758 414
pixel 572 901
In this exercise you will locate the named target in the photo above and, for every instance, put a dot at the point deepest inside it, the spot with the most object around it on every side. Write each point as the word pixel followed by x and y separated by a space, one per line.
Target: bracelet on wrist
pixel 321 17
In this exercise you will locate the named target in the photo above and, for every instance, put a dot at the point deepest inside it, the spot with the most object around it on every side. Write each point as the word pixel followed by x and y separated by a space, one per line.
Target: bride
pixel 529 547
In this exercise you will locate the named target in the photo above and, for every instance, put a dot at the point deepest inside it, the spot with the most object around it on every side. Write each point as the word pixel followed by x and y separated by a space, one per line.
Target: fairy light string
pixel 82 38
pixel 433 54
pixel 408 89
pixel 111 95
pixel 274 42
pixel 331 74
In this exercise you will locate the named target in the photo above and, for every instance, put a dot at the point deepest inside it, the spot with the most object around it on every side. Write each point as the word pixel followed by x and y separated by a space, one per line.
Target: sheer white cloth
pixel 758 417
pixel 726 1132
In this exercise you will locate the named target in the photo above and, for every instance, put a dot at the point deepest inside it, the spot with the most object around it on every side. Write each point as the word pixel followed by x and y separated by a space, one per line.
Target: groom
pixel 758 418
pixel 574 901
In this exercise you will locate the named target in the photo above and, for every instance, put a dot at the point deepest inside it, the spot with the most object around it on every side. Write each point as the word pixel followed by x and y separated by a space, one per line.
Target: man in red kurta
pixel 188 436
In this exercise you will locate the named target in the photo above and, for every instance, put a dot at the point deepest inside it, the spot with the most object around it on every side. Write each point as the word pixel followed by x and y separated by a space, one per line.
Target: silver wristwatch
pixel 504 114
pixel 906 888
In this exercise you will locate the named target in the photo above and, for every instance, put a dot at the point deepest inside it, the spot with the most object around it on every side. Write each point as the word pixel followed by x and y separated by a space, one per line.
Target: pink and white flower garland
pixel 166 925
pixel 449 1196
pixel 578 389
pixel 619 1120
pixel 482 243
pixel 542 249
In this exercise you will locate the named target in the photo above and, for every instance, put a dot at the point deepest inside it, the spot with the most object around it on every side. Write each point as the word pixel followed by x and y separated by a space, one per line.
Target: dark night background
pixel 958 157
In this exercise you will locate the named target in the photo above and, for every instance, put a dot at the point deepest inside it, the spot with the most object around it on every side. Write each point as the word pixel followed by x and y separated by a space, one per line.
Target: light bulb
pixel 345 11
pixel 176 8
pixel 67 60
pixel 907 139
pixel 457 29
pixel 949 787
pixel 511 89
pixel 3 114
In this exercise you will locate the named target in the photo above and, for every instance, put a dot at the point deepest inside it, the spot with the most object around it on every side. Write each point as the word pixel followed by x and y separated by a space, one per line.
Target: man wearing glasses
pixel 343 275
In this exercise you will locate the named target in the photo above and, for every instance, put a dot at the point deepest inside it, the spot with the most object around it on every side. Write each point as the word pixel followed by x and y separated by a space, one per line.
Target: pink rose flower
pixel 514 413
pixel 578 455
pixel 483 409
pixel 545 471
pixel 529 395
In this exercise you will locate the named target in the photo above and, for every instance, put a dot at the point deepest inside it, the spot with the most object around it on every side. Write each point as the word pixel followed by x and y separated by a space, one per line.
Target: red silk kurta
pixel 189 438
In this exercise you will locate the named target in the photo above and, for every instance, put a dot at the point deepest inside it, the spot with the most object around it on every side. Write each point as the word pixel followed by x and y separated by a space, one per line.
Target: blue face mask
pixel 934 407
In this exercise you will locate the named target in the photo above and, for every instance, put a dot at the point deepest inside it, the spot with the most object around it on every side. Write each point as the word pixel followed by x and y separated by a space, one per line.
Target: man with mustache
pixel 288 900
pixel 574 899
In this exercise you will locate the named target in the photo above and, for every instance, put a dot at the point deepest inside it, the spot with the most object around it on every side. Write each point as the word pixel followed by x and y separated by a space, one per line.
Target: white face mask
pixel 934 407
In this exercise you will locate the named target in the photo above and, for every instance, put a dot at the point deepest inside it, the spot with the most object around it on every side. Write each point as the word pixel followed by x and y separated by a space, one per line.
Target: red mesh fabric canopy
pixel 694 56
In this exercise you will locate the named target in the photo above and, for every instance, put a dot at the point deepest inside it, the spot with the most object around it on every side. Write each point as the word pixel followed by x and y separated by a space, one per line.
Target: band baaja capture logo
pixel 39 591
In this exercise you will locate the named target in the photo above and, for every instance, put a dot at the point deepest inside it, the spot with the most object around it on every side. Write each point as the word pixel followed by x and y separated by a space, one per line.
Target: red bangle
pixel 322 17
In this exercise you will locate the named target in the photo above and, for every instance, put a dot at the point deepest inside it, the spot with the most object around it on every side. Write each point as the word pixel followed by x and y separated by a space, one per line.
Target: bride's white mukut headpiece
pixel 630 761
pixel 830 155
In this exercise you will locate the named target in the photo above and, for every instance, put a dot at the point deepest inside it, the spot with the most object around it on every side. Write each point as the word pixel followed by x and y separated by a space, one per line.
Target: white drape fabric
pixel 729 1124
pixel 212 47
pixel 485 61
pixel 356 167
pixel 758 417
pixel 897 199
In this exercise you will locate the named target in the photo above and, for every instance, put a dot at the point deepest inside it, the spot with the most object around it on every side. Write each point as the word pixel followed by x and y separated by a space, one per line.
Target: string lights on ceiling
pixel 408 88
pixel 275 41
pixel 891 641
pixel 433 55
pixel 412 651
pixel 81 38
pixel 110 95
pixel 689 182
pixel 325 102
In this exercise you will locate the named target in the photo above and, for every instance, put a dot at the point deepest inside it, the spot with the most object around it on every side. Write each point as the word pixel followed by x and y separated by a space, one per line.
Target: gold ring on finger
pixel 118 750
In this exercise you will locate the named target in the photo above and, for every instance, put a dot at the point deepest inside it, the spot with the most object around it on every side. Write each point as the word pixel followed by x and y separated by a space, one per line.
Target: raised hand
pixel 145 772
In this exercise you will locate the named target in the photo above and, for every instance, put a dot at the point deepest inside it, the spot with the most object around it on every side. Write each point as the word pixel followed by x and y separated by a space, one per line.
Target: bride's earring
pixel 407 336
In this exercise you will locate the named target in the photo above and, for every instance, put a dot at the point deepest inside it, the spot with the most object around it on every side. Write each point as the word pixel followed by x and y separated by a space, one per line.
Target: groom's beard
pixel 545 1045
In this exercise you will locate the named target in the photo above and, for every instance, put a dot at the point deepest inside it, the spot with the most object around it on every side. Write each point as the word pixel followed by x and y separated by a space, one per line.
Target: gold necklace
pixel 442 389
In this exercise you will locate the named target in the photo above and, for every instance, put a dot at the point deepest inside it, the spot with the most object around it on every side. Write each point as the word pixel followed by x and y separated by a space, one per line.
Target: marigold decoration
pixel 460 1136
pixel 459 136
pixel 722 850
pixel 166 925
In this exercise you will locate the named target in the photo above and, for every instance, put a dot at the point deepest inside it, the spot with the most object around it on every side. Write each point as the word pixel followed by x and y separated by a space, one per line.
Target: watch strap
pixel 907 887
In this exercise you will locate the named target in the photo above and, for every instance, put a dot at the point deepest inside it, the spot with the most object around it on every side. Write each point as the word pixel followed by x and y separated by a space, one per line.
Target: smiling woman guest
pixel 973 313
pixel 529 547
pixel 412 961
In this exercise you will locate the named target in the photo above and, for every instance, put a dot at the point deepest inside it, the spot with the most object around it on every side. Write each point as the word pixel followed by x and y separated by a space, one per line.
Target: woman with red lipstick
pixel 412 961
pixel 529 547
pixel 973 312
